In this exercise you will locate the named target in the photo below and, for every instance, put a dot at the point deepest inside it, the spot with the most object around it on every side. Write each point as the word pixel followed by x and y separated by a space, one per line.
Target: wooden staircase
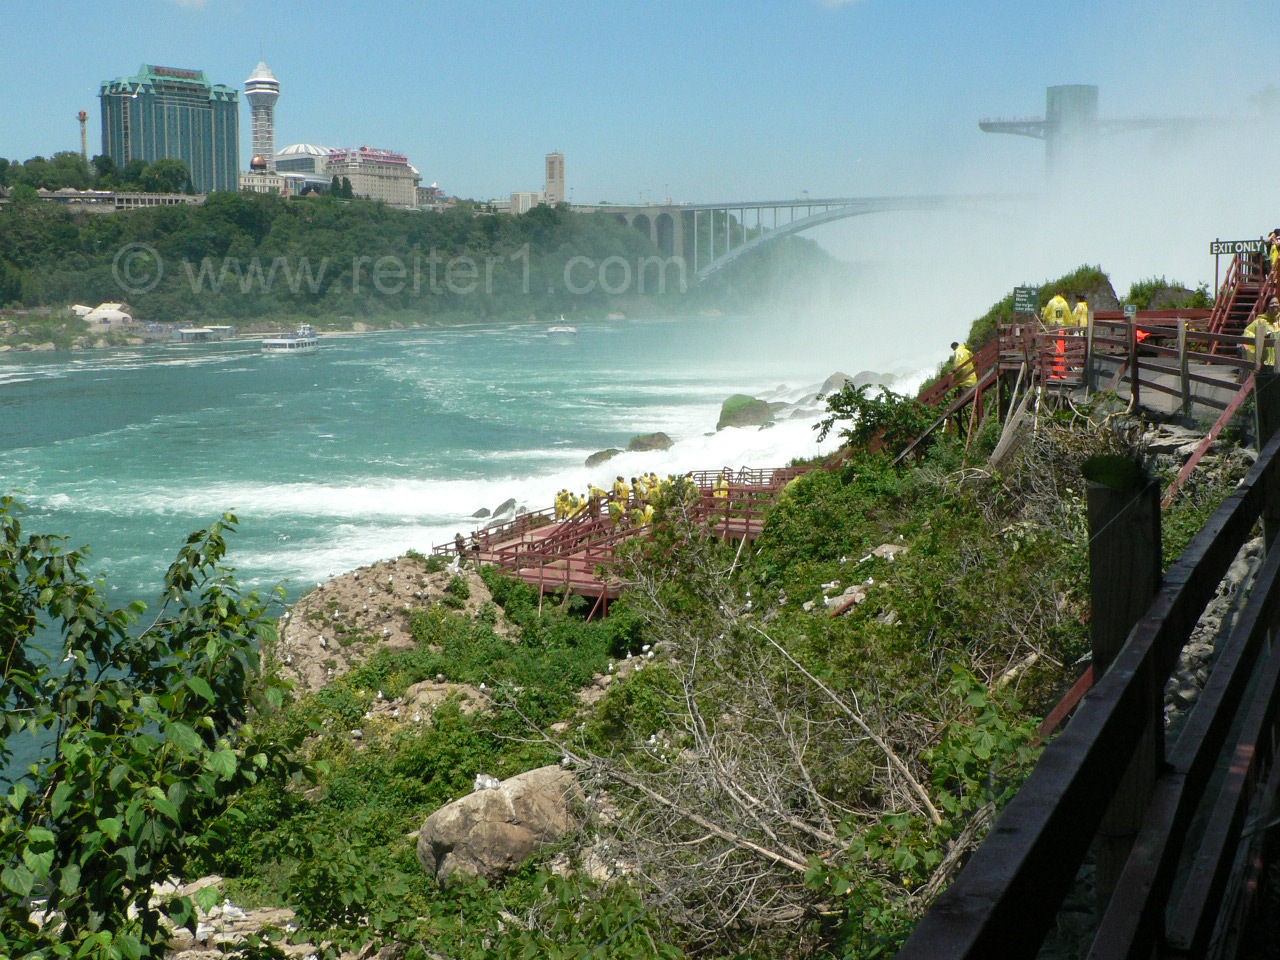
pixel 1242 296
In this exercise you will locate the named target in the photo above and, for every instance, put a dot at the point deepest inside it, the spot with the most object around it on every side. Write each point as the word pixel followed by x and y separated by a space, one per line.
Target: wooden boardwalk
pixel 578 555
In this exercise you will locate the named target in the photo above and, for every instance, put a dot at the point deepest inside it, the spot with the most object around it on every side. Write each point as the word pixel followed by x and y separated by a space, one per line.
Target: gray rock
pixel 649 441
pixel 868 378
pixel 600 456
pixel 481 513
pixel 741 410
pixel 835 383
pixel 489 833
pixel 507 506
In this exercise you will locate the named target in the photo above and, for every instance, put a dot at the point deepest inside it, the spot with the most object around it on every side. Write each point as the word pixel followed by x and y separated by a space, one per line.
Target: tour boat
pixel 305 338
pixel 561 329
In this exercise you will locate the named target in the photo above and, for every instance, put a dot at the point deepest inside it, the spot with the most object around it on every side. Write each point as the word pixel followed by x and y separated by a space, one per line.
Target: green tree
pixel 165 176
pixel 146 734
pixel 893 419
pixel 105 170
pixel 131 174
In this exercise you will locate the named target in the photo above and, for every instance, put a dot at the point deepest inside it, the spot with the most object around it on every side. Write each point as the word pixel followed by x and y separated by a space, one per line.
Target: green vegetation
pixel 1159 293
pixel 69 169
pixel 148 734
pixel 1084 280
pixel 249 258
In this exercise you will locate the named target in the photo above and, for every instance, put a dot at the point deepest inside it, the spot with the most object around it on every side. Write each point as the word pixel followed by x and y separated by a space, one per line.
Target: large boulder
pixel 834 383
pixel 601 456
pixel 490 832
pixel 741 410
pixel 644 442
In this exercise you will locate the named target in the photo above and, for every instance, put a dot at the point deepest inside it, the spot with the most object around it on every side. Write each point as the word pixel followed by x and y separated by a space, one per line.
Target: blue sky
pixel 696 100
pixel 715 100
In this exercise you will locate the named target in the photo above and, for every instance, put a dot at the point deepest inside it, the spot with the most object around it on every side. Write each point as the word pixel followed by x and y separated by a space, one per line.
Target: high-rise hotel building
pixel 165 112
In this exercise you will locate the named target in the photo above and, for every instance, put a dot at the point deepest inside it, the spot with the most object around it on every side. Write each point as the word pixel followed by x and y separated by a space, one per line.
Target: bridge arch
pixel 710 236
pixel 832 211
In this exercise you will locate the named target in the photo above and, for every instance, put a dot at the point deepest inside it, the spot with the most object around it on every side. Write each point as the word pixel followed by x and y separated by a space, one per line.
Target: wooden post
pixel 1184 374
pixel 1135 399
pixel 1124 575
pixel 1266 406
pixel 1089 385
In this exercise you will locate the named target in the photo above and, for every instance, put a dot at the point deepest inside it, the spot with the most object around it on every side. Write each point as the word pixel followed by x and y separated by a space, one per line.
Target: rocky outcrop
pixel 644 442
pixel 342 622
pixel 741 410
pixel 602 456
pixel 490 832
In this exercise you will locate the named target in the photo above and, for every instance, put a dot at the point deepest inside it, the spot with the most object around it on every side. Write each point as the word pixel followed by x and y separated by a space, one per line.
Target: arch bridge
pixel 710 236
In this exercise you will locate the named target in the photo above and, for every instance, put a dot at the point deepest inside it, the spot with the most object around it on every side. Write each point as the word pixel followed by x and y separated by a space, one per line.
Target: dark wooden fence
pixel 1168 824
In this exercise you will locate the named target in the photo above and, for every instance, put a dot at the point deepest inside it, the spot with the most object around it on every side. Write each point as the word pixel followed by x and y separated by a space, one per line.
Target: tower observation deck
pixel 1070 125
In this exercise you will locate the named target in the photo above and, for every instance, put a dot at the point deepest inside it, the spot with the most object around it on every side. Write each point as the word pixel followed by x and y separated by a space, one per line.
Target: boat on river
pixel 562 329
pixel 304 338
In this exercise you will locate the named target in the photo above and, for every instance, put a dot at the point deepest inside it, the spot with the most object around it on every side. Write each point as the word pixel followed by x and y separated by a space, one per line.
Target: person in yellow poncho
pixel 963 372
pixel 1266 324
pixel 1056 312
pixel 1081 313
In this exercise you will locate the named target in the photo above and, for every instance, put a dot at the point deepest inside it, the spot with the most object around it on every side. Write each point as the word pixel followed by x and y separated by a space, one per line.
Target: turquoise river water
pixel 372 444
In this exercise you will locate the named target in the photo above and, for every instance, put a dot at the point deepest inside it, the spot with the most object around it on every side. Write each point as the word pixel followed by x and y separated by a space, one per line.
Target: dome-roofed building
pixel 303 158
pixel 304 167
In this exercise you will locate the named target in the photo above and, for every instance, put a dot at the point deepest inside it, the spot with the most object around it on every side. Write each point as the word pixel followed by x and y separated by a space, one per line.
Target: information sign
pixel 1025 299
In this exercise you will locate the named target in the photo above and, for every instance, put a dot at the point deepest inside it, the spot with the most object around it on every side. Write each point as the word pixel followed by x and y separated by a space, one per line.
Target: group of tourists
pixel 629 502
pixel 1059 313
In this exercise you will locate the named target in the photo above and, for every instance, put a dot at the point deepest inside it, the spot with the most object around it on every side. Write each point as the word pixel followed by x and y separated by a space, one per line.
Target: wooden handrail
pixel 1005 900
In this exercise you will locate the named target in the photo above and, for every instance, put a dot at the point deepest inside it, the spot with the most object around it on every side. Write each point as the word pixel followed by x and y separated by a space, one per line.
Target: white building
pixel 108 314
pixel 526 200
pixel 262 181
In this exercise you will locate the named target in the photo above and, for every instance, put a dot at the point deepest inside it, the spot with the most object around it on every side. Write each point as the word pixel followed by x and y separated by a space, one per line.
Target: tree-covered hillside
pixel 245 257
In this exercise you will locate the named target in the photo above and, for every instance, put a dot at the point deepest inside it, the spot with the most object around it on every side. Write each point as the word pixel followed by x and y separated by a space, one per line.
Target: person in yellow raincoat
pixel 1266 323
pixel 720 489
pixel 1056 312
pixel 964 374
pixel 595 495
pixel 1080 314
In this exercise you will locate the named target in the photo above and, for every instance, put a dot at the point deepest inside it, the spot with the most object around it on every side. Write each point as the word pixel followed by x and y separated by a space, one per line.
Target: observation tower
pixel 262 90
